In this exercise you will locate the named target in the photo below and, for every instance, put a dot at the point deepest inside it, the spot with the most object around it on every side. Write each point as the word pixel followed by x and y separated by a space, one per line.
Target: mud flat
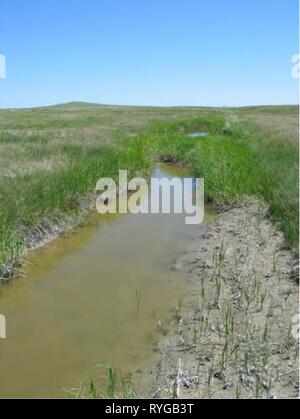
pixel 235 334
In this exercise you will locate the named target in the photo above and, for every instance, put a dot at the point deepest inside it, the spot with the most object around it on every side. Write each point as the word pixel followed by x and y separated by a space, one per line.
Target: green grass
pixel 27 199
pixel 51 158
pixel 237 162
pixel 108 385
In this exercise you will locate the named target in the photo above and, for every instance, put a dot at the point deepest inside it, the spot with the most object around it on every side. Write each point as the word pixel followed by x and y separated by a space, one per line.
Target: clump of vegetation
pixel 108 384
pixel 237 163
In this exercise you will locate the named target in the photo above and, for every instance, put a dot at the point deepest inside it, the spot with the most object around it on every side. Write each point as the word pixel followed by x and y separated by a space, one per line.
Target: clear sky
pixel 148 52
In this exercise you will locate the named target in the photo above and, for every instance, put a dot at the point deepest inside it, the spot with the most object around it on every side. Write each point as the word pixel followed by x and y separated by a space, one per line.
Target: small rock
pixel 294 275
pixel 189 381
pixel 272 395
pixel 228 385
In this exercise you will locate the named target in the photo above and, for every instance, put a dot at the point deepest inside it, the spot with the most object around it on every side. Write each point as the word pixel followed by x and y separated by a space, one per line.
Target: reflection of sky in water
pixel 198 134
pixel 189 186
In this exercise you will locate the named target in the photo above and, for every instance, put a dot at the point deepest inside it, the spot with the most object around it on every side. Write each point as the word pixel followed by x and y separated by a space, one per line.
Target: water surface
pixel 77 306
pixel 198 135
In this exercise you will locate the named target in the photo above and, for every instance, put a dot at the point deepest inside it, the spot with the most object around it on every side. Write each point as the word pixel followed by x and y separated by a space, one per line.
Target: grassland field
pixel 51 158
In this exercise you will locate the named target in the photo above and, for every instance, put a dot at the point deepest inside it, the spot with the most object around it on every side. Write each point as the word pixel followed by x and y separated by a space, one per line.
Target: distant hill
pixel 76 105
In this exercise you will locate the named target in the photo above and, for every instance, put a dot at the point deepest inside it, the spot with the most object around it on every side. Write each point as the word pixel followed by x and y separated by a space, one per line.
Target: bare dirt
pixel 236 335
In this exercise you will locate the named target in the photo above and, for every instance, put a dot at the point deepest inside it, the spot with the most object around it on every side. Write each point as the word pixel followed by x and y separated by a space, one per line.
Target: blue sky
pixel 148 52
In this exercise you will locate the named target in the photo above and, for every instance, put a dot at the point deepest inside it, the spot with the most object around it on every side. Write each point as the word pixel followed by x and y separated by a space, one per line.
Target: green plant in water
pixel 112 385
pixel 138 298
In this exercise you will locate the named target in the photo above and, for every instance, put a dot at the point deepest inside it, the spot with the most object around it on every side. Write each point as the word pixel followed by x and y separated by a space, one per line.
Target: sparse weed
pixel 138 298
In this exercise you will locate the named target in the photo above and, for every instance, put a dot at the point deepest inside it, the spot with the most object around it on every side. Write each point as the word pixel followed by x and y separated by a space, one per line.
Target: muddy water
pixel 77 307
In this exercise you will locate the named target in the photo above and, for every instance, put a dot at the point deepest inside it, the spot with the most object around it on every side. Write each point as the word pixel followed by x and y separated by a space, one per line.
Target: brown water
pixel 77 306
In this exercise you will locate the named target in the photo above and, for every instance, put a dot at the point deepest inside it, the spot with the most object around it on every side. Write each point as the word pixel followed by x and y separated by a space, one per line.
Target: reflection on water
pixel 77 306
pixel 198 134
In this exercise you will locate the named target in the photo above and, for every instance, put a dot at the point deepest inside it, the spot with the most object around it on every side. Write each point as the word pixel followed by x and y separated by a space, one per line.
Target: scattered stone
pixel 294 275
pixel 228 385
pixel 189 381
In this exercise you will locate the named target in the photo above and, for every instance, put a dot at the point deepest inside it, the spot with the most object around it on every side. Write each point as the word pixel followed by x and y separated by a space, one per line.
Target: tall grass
pixel 110 385
pixel 28 199
pixel 235 162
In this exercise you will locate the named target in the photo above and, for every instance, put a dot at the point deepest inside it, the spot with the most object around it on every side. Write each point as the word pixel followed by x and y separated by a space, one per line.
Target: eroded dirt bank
pixel 235 334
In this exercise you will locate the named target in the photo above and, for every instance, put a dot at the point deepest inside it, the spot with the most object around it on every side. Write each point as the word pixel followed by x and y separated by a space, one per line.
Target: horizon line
pixel 146 106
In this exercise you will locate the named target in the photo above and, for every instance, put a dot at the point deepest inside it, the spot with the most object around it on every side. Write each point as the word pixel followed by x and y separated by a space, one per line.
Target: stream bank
pixel 236 333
